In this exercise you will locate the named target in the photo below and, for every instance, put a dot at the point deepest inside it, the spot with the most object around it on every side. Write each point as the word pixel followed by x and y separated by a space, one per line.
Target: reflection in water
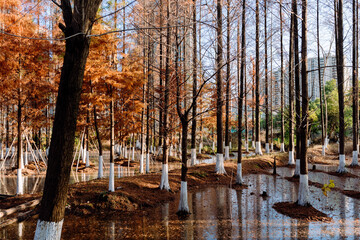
pixel 219 213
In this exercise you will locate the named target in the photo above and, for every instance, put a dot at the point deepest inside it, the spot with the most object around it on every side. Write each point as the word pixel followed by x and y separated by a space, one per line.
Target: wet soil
pixel 137 192
pixel 30 169
pixel 308 213
pixel 16 200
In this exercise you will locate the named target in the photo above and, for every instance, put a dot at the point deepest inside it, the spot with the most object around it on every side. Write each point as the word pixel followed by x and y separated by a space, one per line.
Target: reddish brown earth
pixel 141 191
pixel 307 213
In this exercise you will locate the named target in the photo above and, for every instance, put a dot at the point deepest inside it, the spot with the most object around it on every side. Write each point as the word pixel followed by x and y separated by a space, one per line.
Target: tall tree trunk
pixel 271 87
pixel 303 196
pixel 246 112
pixel 227 94
pixel 340 79
pixel 355 85
pixel 267 147
pixel 161 106
pixel 7 129
pixel 112 141
pixel 219 85
pixel 320 80
pixel 20 165
pixel 291 92
pixel 241 79
pixel 98 137
pixel 62 141
pixel 87 139
pixel 297 90
pixel 164 182
pixel 257 83
pixel 193 125
pixel 282 104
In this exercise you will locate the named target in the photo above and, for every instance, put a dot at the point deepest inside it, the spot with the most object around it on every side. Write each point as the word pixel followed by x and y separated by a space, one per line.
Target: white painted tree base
pixel 297 168
pixel 355 161
pixel 219 168
pixel 48 230
pixel 326 142
pixel 164 182
pixel 170 151
pixel 303 196
pixel 239 179
pixel 100 169
pixel 308 142
pixel 253 144
pixel 26 162
pixel 111 178
pixel 341 168
pixel 291 158
pixel 227 153
pixel 258 148
pixel 133 154
pixel 282 147
pixel 323 150
pixel 247 147
pixel 213 147
pixel 147 167
pixel 141 170
pixel 200 147
pixel 87 159
pixel 272 147
pixel 193 157
pixel 183 203
pixel 84 156
pixel 267 149
pixel 19 183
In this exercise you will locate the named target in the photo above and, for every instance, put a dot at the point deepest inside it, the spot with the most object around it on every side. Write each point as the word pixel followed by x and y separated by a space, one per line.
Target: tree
pixel 219 92
pixel 291 91
pixel 267 147
pixel 339 39
pixel 282 130
pixel 239 179
pixel 355 88
pixel 319 76
pixel 297 89
pixel 228 84
pixel 53 202
pixel 164 182
pixel 194 69
pixel 303 196
pixel 257 83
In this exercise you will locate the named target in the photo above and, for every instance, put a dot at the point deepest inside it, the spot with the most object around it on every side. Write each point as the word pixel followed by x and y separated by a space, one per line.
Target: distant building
pixel 327 73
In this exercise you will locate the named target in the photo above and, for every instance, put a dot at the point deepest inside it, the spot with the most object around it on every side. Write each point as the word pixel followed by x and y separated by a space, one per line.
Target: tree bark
pixel 291 90
pixel 193 125
pixel 227 94
pixel 319 74
pixel 304 91
pixel 282 130
pixel 62 142
pixel 340 79
pixel 219 82
pixel 355 83
pixel 257 81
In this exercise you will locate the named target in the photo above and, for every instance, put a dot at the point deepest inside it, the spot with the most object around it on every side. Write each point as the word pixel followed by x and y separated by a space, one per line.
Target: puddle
pixel 219 213
pixel 35 183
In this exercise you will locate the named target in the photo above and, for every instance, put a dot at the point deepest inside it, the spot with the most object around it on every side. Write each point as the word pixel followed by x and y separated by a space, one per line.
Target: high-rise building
pixel 327 71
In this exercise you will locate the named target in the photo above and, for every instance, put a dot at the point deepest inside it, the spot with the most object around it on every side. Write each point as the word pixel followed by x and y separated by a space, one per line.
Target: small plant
pixel 199 174
pixel 327 187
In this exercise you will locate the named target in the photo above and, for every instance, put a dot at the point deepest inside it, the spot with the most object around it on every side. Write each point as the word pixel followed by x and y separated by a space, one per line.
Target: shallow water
pixel 220 213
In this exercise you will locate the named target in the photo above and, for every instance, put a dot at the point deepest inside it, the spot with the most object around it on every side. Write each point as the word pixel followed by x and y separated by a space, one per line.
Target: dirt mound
pixel 307 213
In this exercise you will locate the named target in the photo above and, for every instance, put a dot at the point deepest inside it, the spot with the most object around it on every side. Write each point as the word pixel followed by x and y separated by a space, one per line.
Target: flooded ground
pixel 224 213
pixel 35 183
